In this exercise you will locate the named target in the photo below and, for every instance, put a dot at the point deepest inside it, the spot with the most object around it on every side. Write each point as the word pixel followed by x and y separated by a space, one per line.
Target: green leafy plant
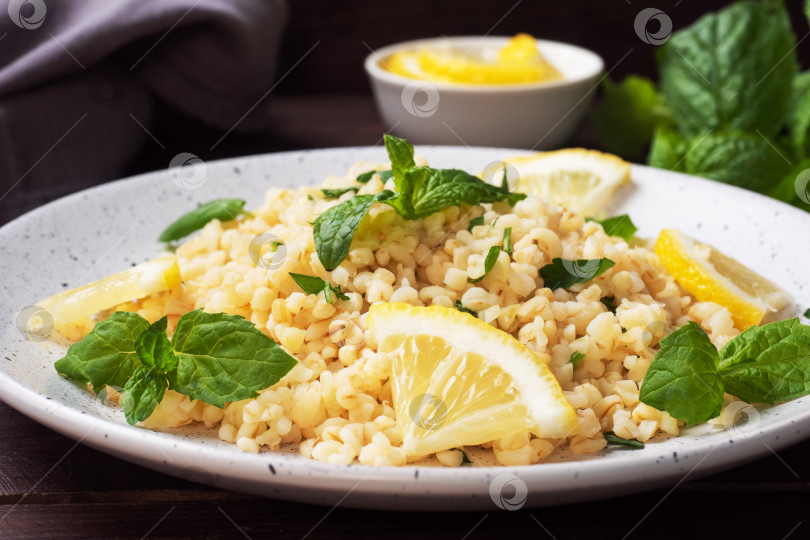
pixel 562 273
pixel 221 209
pixel 764 364
pixel 576 358
pixel 314 285
pixel 214 357
pixel 489 263
pixel 730 104
pixel 621 226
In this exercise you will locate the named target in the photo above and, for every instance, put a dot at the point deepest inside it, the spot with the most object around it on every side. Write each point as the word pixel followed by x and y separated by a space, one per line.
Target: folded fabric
pixel 78 78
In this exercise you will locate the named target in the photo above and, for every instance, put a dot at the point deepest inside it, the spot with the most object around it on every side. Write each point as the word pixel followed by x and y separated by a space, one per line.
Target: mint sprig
pixel 764 364
pixel 421 191
pixel 213 357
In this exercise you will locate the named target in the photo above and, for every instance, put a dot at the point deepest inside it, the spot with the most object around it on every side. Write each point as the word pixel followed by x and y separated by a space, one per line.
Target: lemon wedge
pixel 157 275
pixel 714 277
pixel 458 381
pixel 578 179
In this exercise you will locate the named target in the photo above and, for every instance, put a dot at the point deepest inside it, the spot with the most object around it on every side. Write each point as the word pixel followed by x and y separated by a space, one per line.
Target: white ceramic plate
pixel 91 234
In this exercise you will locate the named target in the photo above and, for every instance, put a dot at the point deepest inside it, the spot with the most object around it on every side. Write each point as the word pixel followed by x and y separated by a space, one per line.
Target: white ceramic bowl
pixel 538 115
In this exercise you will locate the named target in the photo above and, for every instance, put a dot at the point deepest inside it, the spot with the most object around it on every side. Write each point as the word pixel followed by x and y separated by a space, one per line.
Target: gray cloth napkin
pixel 78 78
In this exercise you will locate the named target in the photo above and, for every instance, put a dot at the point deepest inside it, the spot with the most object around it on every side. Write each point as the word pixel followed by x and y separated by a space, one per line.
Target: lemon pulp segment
pixel 458 381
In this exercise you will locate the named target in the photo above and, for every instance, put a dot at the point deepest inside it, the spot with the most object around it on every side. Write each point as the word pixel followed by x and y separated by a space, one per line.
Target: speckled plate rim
pixel 196 455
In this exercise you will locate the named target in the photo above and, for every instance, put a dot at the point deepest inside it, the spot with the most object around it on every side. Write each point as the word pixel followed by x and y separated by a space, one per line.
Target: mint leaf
pixel 807 313
pixel 459 306
pixel 314 285
pixel 154 348
pixel 731 69
pixel 785 189
pixel 425 191
pixel 475 222
pixel 465 459
pixel 335 228
pixel 224 358
pixel 221 209
pixel 507 240
pixel 799 116
pixel 612 438
pixel 489 263
pixel 576 358
pixel 668 150
pixel 562 273
pixel 400 152
pixel 609 303
pixel 337 192
pixel 621 226
pixel 683 378
pixel 107 354
pixel 626 118
pixel 366 177
pixel 769 363
pixel 142 393
pixel 746 160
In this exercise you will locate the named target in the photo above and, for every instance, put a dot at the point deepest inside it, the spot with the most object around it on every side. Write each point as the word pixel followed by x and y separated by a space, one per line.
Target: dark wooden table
pixel 52 487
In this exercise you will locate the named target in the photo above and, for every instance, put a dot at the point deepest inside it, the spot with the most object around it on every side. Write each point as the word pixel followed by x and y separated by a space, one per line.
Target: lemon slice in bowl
pixel 578 179
pixel 458 381
pixel 714 277
pixel 157 275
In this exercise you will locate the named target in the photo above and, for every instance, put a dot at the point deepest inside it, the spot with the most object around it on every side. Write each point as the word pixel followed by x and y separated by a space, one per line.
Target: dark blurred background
pixel 330 85
pixel 321 86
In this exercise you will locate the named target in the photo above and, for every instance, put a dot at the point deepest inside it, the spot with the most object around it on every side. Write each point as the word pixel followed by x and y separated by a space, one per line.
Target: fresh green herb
pixel 612 438
pixel 609 303
pixel 562 273
pixel 807 313
pixel 107 355
pixel 310 197
pixel 739 158
pixel 621 226
pixel 747 87
pixel 314 285
pixel 154 348
pixel 494 222
pixel 334 229
pixel 365 177
pixel 730 104
pixel 425 191
pixel 764 364
pixel 459 306
pixel 143 393
pixel 489 263
pixel 224 358
pixel 421 191
pixel 338 192
pixel 221 209
pixel 683 379
pixel 767 364
pixel 475 222
pixel 507 240
pixel 628 115
pixel 576 358
pixel 216 358
pixel 465 459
